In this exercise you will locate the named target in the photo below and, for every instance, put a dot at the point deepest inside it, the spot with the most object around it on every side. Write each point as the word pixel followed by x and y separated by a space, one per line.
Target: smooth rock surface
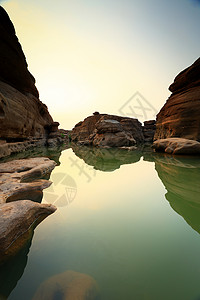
pixel 177 146
pixel 16 178
pixel 179 117
pixel 17 222
pixel 69 285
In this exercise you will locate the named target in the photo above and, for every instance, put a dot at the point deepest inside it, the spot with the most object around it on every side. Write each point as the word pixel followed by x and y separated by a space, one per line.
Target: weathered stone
pixel 16 177
pixel 177 146
pixel 69 285
pixel 17 222
pixel 179 117
pixel 118 139
pixel 104 130
pixel 149 129
pixel 22 114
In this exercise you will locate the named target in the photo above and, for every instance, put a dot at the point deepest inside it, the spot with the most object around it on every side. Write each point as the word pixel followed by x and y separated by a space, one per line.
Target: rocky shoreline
pixel 21 186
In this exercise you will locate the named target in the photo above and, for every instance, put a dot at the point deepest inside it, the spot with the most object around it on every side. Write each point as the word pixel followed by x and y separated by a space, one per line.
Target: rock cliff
pixel 179 117
pixel 22 114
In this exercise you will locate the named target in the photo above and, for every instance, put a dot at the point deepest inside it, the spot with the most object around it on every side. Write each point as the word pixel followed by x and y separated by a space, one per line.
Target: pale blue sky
pixel 93 55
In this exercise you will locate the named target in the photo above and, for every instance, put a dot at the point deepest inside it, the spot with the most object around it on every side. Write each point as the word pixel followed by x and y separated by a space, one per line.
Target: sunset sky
pixel 89 55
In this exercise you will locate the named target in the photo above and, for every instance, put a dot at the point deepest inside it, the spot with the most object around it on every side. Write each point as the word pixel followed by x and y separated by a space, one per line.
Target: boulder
pixel 69 285
pixel 17 222
pixel 179 117
pixel 104 130
pixel 177 146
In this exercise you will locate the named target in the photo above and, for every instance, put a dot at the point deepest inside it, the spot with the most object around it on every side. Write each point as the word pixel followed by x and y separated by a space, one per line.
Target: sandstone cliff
pixel 22 114
pixel 179 117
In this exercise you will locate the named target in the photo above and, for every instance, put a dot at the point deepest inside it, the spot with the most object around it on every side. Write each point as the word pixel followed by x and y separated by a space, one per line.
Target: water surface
pixel 128 219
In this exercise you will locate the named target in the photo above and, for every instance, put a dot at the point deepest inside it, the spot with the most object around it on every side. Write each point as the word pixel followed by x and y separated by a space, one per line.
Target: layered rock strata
pixel 104 130
pixel 20 182
pixel 179 117
pixel 22 115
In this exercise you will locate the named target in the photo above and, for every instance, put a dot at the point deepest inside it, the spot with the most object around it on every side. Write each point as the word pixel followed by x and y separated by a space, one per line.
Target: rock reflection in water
pixel 181 178
pixel 180 175
pixel 106 160
pixel 12 271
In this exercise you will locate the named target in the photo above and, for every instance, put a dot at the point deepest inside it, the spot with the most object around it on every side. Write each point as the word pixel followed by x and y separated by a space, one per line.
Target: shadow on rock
pixel 181 177
pixel 69 285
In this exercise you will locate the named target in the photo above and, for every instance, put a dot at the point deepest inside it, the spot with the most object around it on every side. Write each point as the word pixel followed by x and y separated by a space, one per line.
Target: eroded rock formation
pixel 179 117
pixel 20 182
pixel 104 130
pixel 22 114
pixel 177 146
pixel 17 222
pixel 17 179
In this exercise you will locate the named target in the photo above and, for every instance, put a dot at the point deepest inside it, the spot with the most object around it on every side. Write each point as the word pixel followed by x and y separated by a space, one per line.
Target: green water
pixel 133 226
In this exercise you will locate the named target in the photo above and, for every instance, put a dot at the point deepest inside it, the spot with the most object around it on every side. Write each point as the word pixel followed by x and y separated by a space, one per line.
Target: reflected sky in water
pixel 130 229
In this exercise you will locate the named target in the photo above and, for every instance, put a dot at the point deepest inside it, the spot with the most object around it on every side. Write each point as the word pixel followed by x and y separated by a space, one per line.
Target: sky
pixel 105 55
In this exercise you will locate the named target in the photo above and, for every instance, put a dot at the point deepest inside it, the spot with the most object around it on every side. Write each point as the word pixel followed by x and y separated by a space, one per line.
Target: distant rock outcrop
pixel 105 130
pixel 179 117
pixel 22 114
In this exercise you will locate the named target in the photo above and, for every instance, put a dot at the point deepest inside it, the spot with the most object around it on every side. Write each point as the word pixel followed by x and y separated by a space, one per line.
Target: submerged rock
pixel 177 146
pixel 17 222
pixel 69 285
pixel 179 117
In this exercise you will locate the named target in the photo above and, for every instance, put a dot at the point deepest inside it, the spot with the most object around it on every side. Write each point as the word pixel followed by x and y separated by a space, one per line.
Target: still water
pixel 129 220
